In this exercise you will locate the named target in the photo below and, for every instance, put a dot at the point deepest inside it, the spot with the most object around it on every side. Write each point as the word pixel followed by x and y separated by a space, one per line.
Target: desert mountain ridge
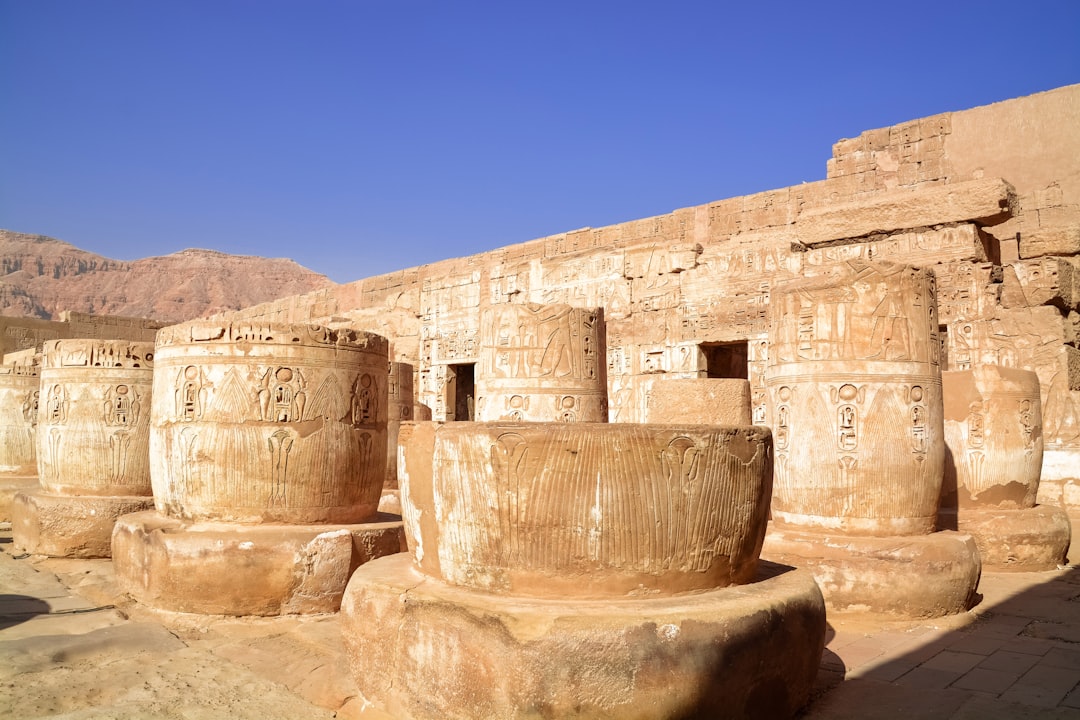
pixel 41 276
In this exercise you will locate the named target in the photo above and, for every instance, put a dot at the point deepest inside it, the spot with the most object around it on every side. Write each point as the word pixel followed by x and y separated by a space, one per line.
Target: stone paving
pixel 72 647
pixel 1015 655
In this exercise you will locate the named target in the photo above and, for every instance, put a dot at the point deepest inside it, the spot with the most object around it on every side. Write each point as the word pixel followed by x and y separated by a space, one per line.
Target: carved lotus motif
pixel 586 509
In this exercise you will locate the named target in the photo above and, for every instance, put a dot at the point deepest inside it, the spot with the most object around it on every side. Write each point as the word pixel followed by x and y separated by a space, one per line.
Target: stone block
pixel 705 401
pixel 70 525
pixel 218 568
pixel 1040 281
pixel 983 202
pixel 1059 240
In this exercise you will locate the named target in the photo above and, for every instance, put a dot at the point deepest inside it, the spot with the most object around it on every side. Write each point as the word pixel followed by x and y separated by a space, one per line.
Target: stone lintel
pixel 984 202
pixel 746 651
pixel 231 569
pixel 910 576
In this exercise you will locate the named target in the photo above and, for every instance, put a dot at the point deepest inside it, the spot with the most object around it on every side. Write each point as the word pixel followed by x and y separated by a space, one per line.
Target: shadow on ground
pixel 1014 655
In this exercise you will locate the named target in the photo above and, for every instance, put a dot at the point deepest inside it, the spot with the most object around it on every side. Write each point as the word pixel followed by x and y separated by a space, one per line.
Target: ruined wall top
pixel 270 334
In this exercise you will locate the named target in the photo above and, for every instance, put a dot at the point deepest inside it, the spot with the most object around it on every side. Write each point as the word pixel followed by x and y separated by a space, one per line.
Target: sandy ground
pixel 71 646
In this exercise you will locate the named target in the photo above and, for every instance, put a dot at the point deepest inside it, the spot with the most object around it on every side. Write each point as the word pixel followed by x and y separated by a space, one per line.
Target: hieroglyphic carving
pixel 541 362
pixel 296 417
pixel 94 427
pixel 993 428
pixel 854 387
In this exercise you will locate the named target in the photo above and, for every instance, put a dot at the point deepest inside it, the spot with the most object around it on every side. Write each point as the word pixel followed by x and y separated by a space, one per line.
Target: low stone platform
pixel 232 569
pixel 10 486
pixel 905 576
pixel 747 651
pixel 1020 540
pixel 70 525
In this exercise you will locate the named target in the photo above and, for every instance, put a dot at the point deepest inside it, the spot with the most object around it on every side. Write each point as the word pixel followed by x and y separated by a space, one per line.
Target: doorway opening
pixel 726 360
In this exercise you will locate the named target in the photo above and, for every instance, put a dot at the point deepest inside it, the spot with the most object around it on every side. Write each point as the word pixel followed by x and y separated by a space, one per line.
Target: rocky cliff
pixel 41 276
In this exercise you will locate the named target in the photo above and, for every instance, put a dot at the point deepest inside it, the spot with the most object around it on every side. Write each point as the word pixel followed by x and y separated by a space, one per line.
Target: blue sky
pixel 363 137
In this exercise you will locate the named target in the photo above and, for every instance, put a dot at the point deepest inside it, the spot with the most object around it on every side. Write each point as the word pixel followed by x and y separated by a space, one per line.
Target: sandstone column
pixel 993 430
pixel 92 446
pixel 269 453
pixel 854 384
pixel 541 363
pixel 583 570
pixel 19 384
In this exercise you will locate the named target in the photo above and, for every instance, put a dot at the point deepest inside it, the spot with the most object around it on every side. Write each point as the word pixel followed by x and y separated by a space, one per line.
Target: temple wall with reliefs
pixel 990 204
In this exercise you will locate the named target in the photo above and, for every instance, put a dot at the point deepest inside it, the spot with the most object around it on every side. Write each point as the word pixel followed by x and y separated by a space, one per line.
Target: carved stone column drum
pixel 269 423
pixel 269 455
pixel 993 429
pixel 589 510
pixel 401 404
pixel 854 385
pixel 541 363
pixel 92 446
pixel 18 424
pixel 584 570
pixel 94 417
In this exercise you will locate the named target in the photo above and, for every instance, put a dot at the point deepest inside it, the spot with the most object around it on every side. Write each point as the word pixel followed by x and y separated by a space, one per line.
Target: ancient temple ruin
pixel 657 449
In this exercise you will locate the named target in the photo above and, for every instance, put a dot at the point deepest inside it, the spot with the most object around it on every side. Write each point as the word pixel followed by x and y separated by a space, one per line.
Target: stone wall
pixel 30 333
pixel 988 198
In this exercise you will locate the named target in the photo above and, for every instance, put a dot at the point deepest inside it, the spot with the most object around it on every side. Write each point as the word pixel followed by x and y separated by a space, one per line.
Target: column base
pixel 909 576
pixel 10 486
pixel 231 569
pixel 421 648
pixel 77 526
pixel 1025 540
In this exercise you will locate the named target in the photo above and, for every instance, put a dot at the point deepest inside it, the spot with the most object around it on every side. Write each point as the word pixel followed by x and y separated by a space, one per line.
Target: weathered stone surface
pixel 742 652
pixel 993 432
pixel 12 485
pixel 911 576
pixel 94 417
pixel 70 526
pixel 705 401
pixel 855 392
pixel 218 568
pixel 541 363
pixel 587 509
pixel 1042 281
pixel 985 202
pixel 271 423
pixel 1061 240
pixel 19 386
pixel 1028 539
